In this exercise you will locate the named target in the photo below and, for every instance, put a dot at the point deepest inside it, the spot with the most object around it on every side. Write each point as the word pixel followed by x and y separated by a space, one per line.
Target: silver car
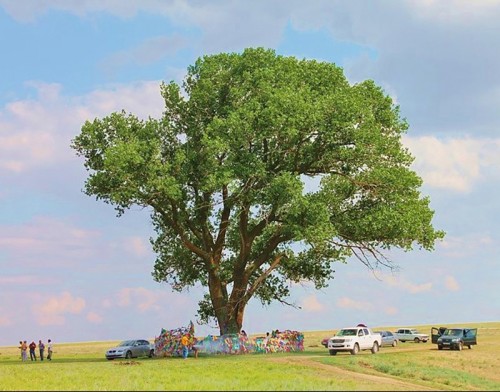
pixel 388 338
pixel 131 349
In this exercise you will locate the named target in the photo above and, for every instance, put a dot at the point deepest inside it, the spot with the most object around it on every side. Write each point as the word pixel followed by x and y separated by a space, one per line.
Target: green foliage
pixel 225 173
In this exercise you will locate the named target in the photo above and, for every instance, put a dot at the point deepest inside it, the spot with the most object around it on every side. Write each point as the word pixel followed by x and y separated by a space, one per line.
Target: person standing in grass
pixel 24 349
pixel 185 345
pixel 49 350
pixel 41 348
pixel 32 350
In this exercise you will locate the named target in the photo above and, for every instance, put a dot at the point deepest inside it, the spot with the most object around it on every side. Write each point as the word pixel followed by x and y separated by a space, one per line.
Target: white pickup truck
pixel 354 339
pixel 411 335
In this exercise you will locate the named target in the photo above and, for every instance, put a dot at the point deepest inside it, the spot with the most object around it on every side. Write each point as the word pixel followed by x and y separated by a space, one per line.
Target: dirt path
pixel 360 380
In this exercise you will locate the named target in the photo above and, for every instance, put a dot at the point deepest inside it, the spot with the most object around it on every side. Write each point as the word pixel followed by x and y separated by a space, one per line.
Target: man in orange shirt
pixel 185 345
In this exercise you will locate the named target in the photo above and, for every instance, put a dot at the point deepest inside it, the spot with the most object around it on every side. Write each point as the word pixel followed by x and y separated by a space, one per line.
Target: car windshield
pixel 126 343
pixel 347 332
pixel 453 332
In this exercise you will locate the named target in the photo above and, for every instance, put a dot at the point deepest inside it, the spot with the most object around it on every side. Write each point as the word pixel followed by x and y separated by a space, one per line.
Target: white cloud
pixel 312 304
pixel 451 283
pixel 140 298
pixel 94 318
pixel 52 241
pixel 52 311
pixel 225 24
pixel 390 310
pixel 37 132
pixel 405 284
pixel 149 51
pixel 454 11
pixel 137 246
pixel 349 303
pixel 456 163
pixel 466 245
pixel 5 321
pixel 25 280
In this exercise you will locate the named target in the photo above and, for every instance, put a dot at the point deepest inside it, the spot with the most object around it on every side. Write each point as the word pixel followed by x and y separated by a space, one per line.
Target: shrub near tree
pixel 226 170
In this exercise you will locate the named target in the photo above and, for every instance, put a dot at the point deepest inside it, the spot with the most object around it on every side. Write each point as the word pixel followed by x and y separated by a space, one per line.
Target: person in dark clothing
pixel 41 348
pixel 32 347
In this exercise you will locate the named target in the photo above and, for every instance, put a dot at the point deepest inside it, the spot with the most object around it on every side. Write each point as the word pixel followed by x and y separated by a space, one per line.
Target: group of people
pixel 23 346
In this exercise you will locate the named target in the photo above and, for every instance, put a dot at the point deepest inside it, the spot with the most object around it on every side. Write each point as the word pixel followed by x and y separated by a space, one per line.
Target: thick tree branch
pixel 181 232
pixel 256 284
pixel 266 253
pixel 224 222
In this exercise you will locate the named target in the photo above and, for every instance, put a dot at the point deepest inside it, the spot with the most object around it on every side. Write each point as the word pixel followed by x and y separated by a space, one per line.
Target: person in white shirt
pixel 49 350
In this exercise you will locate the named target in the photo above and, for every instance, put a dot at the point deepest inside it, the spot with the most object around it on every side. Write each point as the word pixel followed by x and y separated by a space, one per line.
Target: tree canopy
pixel 263 170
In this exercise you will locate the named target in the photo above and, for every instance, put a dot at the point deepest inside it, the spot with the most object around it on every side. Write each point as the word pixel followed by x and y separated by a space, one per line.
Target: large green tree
pixel 263 170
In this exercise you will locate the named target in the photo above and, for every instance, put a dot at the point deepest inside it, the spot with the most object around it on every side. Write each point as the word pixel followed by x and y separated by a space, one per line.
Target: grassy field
pixel 409 366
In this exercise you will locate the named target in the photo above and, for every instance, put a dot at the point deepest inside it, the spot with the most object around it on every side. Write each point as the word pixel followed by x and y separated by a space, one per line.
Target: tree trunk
pixel 231 319
pixel 228 312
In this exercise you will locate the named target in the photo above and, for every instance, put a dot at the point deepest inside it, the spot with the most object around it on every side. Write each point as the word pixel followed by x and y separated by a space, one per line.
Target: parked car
pixel 455 338
pixel 353 340
pixel 388 338
pixel 411 335
pixel 131 349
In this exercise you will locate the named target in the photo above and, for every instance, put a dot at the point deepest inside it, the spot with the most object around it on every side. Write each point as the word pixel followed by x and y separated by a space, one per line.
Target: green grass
pixel 410 366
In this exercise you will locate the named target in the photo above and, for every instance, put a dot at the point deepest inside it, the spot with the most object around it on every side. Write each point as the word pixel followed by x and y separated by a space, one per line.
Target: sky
pixel 72 271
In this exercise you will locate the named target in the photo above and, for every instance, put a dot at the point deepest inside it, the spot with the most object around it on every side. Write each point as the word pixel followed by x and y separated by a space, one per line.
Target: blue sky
pixel 73 271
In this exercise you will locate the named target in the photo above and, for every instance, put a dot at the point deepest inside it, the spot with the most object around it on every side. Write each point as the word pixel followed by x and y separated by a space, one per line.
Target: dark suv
pixel 454 338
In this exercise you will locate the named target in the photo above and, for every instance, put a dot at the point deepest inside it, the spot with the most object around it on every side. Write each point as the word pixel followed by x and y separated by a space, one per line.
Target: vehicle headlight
pixel 455 340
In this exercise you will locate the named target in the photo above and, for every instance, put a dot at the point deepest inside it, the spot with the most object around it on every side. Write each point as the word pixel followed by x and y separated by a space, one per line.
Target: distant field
pixel 410 366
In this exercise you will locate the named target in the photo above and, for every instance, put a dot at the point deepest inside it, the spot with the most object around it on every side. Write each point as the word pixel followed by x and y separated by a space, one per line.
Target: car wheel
pixel 417 340
pixel 395 343
pixel 128 355
pixel 440 347
pixel 151 353
pixel 355 349
pixel 333 352
pixel 460 346
pixel 375 348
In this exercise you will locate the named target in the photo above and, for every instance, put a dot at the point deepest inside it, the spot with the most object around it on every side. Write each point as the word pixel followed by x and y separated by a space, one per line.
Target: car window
pixel 347 332
pixel 126 343
pixel 453 332
pixel 366 331
pixel 144 342
pixel 388 333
